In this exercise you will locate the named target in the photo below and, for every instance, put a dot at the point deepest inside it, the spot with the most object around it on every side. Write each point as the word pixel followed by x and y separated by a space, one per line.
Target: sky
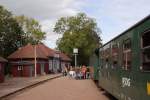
pixel 112 16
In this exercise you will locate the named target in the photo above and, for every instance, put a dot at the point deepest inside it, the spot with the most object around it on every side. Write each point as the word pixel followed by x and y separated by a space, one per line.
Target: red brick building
pixel 24 59
pixel 2 64
pixel 47 60
pixel 56 59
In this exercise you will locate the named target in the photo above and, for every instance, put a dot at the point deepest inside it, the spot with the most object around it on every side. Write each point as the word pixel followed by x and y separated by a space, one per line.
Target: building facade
pixel 65 61
pixel 2 65
pixel 28 61
pixel 32 60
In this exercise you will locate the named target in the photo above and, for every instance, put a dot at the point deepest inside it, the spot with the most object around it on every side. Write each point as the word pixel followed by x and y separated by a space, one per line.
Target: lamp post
pixel 75 51
pixel 35 72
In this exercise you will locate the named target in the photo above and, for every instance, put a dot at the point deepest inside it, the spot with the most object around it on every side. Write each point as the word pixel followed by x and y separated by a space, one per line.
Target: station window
pixel 115 51
pixel 20 67
pixel 127 54
pixel 146 51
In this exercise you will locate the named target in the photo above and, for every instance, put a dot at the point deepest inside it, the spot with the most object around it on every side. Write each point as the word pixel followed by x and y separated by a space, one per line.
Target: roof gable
pixel 48 52
pixel 28 51
pixel 64 57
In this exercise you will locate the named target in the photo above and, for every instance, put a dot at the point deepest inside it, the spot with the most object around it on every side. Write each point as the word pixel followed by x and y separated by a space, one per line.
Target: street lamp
pixel 75 51
pixel 35 61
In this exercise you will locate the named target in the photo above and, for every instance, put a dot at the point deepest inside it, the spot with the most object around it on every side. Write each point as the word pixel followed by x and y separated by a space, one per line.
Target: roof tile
pixel 28 51
pixel 64 57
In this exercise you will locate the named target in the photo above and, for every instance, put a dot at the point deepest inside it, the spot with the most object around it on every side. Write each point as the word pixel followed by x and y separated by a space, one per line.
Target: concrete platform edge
pixel 29 86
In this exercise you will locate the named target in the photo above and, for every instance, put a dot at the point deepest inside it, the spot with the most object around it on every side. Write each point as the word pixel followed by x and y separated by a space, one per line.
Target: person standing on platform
pixel 84 71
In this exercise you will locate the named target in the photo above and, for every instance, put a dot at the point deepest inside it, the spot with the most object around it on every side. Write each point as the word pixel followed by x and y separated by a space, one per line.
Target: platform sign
pixel 75 50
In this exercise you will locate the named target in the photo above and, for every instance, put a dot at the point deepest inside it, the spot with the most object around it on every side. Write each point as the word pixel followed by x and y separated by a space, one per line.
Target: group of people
pixel 77 72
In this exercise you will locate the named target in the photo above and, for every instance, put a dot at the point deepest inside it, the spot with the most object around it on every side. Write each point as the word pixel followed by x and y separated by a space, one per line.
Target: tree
pixel 32 29
pixel 79 32
pixel 10 33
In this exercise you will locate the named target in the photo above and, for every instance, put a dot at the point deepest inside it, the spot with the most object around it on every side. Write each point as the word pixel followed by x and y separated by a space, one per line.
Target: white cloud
pixel 113 16
pixel 45 11
pixel 48 25
pixel 119 15
pixel 51 39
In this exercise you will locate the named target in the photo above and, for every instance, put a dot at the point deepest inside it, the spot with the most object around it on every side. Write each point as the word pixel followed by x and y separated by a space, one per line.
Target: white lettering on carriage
pixel 125 97
pixel 126 82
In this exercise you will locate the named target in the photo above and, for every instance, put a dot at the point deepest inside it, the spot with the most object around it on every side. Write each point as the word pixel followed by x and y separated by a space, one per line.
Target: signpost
pixel 75 51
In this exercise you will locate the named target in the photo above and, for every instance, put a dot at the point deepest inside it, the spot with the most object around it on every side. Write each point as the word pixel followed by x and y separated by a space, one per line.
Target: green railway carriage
pixel 125 63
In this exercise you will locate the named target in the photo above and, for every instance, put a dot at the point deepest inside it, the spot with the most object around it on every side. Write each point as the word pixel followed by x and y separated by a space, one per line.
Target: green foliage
pixel 10 33
pixel 32 29
pixel 79 32
pixel 17 31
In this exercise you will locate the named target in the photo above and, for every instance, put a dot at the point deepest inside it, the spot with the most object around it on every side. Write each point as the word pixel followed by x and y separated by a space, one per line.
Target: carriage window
pixel 107 57
pixel 127 54
pixel 146 39
pixel 115 56
pixel 101 59
pixel 146 51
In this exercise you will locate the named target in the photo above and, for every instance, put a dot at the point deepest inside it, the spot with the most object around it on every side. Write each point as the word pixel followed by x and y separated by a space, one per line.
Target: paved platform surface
pixel 13 84
pixel 63 88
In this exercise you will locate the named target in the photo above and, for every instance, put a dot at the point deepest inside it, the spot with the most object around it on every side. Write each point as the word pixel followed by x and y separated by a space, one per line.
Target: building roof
pixel 28 51
pixel 64 57
pixel 48 52
pixel 2 59
pixel 42 51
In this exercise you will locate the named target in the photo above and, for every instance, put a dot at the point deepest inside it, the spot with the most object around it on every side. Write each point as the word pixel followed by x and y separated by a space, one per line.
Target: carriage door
pixel 145 65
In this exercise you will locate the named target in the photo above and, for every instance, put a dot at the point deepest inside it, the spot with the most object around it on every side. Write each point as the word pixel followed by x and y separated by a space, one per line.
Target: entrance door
pixel 0 68
pixel 50 66
pixel 20 70
pixel 31 70
pixel 42 69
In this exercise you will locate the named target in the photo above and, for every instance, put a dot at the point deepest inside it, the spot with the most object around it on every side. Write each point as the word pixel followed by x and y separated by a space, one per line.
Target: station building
pixel 53 59
pixel 56 59
pixel 24 59
pixel 46 59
